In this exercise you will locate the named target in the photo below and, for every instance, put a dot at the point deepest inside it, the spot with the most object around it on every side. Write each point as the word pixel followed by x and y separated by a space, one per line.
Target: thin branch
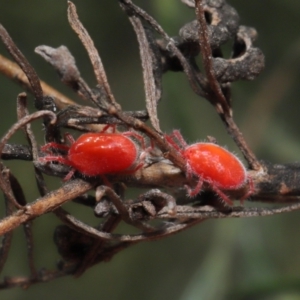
pixel 25 66
pixel 5 188
pixel 167 230
pixel 45 204
pixel 22 112
pixel 147 58
pixel 12 71
pixel 13 151
pixel 219 100
pixel 206 52
pixel 121 208
pixel 236 212
pixel 7 238
pixel 26 282
pixel 238 137
pixel 27 227
pixel 193 78
pixel 92 51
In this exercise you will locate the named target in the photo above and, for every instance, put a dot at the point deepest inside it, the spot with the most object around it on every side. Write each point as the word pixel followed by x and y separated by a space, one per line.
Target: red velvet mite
pixel 212 164
pixel 94 154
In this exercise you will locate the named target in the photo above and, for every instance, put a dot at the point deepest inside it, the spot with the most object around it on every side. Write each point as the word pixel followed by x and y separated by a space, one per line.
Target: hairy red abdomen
pixel 102 153
pixel 216 165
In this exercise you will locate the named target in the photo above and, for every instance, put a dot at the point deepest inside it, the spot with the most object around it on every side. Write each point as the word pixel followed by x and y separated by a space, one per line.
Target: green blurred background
pixel 254 258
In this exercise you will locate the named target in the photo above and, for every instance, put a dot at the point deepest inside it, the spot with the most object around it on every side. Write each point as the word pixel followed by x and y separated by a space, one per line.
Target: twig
pixel 6 190
pixel 221 104
pixel 12 71
pixel 194 79
pixel 45 204
pixel 27 227
pixel 25 282
pixel 149 62
pixel 92 51
pixel 218 99
pixel 7 238
pixel 167 230
pixel 25 66
pixel 237 212
pixel 121 208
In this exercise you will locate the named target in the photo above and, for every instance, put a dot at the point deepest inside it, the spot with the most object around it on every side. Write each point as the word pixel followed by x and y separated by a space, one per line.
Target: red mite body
pixel 216 165
pixel 102 153
pixel 213 164
pixel 94 154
